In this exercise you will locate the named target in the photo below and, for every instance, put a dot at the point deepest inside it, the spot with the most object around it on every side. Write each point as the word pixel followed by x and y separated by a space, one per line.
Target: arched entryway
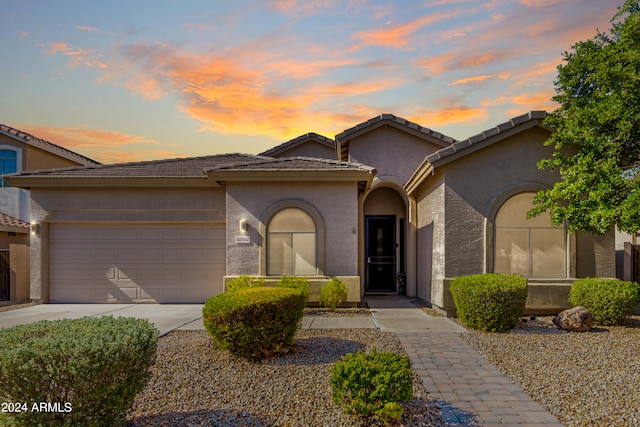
pixel 384 240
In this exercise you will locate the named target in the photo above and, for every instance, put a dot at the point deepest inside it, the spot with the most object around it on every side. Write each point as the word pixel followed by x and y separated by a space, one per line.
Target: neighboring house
pixel 395 199
pixel 20 151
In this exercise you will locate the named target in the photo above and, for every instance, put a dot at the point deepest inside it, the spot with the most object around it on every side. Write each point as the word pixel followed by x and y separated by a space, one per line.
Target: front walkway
pixel 470 390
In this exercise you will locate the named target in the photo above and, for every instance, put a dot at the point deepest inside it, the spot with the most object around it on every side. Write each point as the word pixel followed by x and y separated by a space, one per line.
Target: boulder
pixel 576 319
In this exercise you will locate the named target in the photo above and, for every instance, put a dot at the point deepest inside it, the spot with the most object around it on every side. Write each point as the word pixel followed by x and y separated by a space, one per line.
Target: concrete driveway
pixel 165 317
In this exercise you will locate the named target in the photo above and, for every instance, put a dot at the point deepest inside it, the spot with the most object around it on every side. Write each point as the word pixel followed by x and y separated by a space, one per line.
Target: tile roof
pixel 193 167
pixel 15 224
pixel 297 141
pixel 292 164
pixel 190 167
pixel 475 140
pixel 27 138
pixel 398 121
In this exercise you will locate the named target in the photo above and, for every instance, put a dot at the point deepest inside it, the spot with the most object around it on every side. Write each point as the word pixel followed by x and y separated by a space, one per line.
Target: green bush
pixel 294 282
pixel 255 322
pixel 244 281
pixel 372 384
pixel 332 294
pixel 490 302
pixel 610 301
pixel 83 371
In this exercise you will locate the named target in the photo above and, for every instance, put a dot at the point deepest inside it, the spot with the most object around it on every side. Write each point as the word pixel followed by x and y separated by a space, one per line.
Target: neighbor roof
pixel 311 136
pixel 343 138
pixel 476 142
pixel 29 139
pixel 9 223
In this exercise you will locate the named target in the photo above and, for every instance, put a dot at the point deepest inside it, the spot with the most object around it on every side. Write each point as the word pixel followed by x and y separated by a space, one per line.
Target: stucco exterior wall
pixel 392 152
pixel 113 205
pixel 478 183
pixel 430 239
pixel 471 190
pixel 335 203
pixel 36 159
pixel 310 149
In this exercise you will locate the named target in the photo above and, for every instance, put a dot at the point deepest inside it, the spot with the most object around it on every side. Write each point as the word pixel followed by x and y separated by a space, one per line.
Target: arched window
pixel 8 164
pixel 530 247
pixel 291 244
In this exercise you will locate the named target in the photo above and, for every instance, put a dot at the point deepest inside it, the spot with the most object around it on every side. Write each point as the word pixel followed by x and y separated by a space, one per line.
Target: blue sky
pixel 139 80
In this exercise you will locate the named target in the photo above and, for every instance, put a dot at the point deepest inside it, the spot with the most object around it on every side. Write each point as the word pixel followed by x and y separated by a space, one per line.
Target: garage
pixel 133 263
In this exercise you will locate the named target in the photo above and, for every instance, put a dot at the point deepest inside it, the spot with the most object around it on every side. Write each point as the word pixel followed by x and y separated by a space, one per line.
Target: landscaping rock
pixel 576 319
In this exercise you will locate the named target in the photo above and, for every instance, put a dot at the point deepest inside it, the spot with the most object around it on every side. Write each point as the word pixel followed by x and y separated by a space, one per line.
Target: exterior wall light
pixel 243 225
pixel 35 228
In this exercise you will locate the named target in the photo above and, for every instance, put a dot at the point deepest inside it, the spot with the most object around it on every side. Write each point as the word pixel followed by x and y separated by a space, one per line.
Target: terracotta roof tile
pixel 7 221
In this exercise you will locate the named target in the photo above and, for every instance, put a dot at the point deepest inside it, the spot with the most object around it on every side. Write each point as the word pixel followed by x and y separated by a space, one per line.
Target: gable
pixel 512 130
pixel 308 145
pixel 391 151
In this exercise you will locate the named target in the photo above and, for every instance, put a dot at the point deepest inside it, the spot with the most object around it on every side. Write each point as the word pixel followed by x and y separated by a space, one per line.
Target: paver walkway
pixel 470 390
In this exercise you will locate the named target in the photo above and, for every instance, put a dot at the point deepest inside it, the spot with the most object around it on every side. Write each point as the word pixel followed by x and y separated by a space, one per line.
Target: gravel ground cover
pixel 585 379
pixel 194 384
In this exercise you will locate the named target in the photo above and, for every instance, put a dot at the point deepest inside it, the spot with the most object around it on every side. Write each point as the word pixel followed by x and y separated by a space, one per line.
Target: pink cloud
pixel 87 28
pixel 398 36
pixel 470 80
pixel 450 115
pixel 94 143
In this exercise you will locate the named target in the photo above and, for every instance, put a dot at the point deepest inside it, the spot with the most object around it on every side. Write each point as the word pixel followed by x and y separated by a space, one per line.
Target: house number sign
pixel 243 239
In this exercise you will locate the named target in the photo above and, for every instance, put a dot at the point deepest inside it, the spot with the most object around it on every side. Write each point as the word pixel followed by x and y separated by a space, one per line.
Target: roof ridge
pixel 486 134
pixel 399 120
pixel 292 142
pixel 27 137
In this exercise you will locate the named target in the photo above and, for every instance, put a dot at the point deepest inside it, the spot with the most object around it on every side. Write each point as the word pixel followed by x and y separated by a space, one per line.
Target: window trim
pixel 18 152
pixel 490 231
pixel 320 233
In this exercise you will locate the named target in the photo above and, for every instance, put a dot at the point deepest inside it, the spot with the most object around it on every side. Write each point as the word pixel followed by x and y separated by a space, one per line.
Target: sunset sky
pixel 123 81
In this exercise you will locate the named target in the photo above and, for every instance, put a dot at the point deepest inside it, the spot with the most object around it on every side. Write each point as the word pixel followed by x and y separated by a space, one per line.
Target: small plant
pixel 255 322
pixel 490 302
pixel 294 282
pixel 372 384
pixel 83 371
pixel 610 301
pixel 244 281
pixel 332 294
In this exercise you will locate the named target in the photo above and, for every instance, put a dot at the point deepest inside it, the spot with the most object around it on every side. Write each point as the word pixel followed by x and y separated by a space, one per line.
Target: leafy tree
pixel 597 131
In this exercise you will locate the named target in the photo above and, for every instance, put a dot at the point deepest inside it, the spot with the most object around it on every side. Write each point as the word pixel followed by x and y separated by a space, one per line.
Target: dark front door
pixel 381 253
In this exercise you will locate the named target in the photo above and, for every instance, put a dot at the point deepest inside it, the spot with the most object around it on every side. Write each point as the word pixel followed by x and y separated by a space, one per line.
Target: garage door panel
pixel 136 263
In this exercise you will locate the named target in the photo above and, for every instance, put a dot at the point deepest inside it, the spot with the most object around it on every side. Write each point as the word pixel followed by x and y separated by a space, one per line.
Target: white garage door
pixel 134 263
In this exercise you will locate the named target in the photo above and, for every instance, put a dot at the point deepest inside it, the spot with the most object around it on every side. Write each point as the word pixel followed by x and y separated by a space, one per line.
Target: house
pixel 20 151
pixel 387 198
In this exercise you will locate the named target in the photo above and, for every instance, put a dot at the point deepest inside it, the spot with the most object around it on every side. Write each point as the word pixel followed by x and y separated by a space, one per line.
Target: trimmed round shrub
pixel 372 384
pixel 610 301
pixel 490 302
pixel 244 281
pixel 83 371
pixel 332 294
pixel 255 323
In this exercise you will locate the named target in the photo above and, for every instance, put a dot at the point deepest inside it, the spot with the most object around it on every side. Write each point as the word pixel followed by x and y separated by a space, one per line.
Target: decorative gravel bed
pixel 585 379
pixel 194 384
